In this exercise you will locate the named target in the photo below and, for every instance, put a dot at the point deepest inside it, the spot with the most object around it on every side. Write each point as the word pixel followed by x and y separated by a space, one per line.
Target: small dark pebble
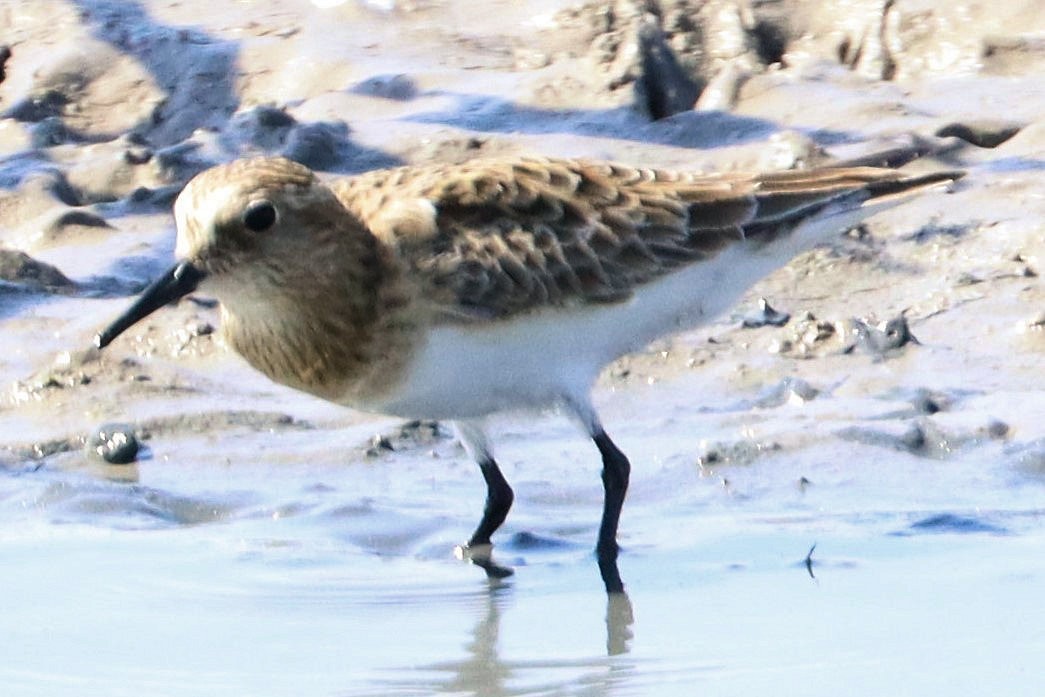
pixel 894 334
pixel 200 328
pixel 1026 269
pixel 997 429
pixel 423 431
pixel 114 443
pixel 913 438
pixel 930 402
pixel 710 457
pixel 379 444
pixel 399 88
pixel 740 453
pixel 411 435
pixel 766 314
pixel 926 438
pixel 898 333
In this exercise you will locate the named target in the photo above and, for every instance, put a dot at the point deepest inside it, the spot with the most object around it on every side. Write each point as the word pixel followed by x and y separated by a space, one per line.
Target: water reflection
pixel 484 671
pixel 122 474
pixel 619 617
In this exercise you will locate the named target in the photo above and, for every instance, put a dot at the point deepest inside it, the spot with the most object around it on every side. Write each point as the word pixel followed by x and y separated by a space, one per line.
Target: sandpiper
pixel 455 291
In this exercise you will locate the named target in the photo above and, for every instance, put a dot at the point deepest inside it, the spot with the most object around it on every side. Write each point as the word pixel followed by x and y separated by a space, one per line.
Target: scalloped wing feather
pixel 489 239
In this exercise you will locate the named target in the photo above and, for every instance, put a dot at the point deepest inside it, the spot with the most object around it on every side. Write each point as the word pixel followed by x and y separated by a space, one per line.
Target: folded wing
pixel 491 239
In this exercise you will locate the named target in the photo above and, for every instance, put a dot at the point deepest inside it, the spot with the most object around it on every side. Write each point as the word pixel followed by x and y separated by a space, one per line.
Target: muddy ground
pixel 108 108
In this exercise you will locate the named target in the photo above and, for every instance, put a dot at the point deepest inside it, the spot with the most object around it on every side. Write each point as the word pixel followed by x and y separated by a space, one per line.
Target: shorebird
pixel 450 292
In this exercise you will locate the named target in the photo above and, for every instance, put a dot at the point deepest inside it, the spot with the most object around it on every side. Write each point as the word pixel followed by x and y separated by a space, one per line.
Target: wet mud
pixel 881 398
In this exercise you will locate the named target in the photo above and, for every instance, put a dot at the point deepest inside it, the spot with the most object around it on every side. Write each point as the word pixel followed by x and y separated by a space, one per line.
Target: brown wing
pixel 494 238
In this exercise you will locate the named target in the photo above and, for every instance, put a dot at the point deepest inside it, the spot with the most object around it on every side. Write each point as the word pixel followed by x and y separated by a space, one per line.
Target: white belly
pixel 544 357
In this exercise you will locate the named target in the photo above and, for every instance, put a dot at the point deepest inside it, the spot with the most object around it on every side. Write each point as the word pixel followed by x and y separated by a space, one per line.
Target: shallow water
pixel 822 523
pixel 333 576
pixel 230 610
pixel 262 621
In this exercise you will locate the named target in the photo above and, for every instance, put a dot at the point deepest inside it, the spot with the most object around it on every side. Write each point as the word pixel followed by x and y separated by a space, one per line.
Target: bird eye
pixel 259 216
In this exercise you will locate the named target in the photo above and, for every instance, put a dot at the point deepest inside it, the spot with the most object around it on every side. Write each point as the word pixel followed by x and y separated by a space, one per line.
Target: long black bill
pixel 180 280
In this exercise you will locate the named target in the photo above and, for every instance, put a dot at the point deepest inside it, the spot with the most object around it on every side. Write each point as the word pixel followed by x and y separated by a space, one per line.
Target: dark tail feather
pixel 887 187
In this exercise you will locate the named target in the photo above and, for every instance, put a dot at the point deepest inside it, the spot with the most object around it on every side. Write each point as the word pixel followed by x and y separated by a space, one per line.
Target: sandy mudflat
pixel 265 543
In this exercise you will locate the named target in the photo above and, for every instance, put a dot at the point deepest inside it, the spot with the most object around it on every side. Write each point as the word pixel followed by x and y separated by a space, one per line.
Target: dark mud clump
pixel 740 453
pixel 398 87
pixel 922 437
pixel 882 339
pixel 21 269
pixel 412 435
pixel 663 87
pixel 765 314
pixel 5 53
pixel 810 337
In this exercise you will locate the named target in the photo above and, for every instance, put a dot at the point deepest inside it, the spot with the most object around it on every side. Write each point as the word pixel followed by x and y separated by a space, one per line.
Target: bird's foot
pixel 482 556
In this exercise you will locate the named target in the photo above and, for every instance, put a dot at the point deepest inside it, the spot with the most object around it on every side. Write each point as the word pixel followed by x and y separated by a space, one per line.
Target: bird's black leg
pixel 499 497
pixel 615 473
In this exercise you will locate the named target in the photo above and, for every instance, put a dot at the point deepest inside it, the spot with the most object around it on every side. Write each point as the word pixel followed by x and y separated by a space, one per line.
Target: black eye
pixel 259 216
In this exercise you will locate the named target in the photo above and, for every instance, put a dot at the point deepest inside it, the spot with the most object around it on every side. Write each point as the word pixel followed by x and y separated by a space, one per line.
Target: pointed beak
pixel 180 280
